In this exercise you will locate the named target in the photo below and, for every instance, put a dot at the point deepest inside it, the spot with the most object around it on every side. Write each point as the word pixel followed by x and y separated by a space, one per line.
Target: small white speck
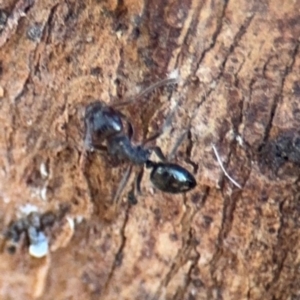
pixel 151 191
pixel 44 193
pixel 41 246
pixel 174 74
pixel 43 170
pixel 79 219
pixel 213 84
pixel 1 91
pixel 28 208
pixel 6 200
pixel 240 140
pixel 3 172
pixel 35 192
pixel 71 222
pixel 119 34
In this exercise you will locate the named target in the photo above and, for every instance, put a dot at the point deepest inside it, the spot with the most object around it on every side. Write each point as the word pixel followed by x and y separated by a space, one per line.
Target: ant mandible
pixel 104 123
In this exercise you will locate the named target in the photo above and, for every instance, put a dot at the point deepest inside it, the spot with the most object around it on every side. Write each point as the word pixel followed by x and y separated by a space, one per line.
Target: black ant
pixel 105 124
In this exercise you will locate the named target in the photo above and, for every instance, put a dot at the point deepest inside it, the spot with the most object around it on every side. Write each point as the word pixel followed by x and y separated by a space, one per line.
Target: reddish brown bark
pixel 239 90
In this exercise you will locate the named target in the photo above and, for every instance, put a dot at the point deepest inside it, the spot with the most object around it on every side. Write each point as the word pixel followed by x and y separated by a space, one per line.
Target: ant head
pixel 102 121
pixel 171 178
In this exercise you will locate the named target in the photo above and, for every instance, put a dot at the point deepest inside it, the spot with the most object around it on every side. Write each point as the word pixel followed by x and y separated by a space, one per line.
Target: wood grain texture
pixel 239 90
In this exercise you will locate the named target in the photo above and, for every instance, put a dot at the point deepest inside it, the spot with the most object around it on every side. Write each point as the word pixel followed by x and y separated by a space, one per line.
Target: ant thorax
pixel 121 147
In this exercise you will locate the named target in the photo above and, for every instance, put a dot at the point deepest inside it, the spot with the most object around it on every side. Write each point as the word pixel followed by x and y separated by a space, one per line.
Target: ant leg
pixel 138 180
pixel 100 148
pixel 84 155
pixel 87 146
pixel 131 197
pixel 136 187
pixel 179 141
pixel 158 84
pixel 122 184
pixel 153 137
pixel 166 124
pixel 158 152
pixel 82 160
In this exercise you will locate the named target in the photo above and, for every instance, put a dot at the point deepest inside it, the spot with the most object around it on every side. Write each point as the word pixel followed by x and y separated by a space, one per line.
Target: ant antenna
pixel 172 79
pixel 122 184
pixel 164 127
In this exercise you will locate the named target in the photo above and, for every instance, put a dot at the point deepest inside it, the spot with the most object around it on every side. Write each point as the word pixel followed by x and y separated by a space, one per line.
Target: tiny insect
pixel 31 230
pixel 106 124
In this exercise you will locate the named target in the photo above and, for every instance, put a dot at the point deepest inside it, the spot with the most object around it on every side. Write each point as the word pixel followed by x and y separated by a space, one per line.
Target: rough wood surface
pixel 239 90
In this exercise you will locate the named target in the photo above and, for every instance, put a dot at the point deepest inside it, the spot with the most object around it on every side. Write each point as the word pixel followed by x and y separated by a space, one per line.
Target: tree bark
pixel 238 91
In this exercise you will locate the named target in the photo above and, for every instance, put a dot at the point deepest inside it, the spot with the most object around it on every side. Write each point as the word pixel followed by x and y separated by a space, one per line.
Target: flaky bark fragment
pixel 239 90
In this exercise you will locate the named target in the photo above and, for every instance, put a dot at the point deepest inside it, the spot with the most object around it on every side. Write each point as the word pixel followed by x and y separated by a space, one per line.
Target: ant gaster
pixel 105 124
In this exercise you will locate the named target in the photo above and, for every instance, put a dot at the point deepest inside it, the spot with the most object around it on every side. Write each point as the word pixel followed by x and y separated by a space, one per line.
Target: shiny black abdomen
pixel 172 178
